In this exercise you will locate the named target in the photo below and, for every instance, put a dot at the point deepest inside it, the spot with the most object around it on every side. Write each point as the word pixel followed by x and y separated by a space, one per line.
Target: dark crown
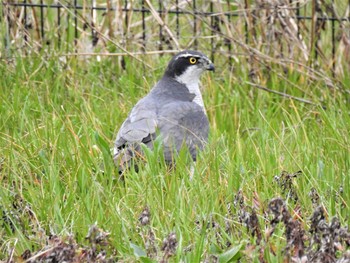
pixel 181 61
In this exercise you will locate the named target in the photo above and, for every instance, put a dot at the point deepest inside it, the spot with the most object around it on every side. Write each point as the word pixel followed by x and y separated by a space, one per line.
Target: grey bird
pixel 173 109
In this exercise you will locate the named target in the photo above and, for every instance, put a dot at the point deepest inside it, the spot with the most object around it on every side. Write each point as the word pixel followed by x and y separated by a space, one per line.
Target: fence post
pixel 160 26
pixel 75 24
pixel 228 39
pixel 25 22
pixel 42 22
pixel 194 6
pixel 333 43
pixel 178 20
pixel 212 32
pixel 143 26
pixel 246 31
pixel 59 25
pixel 8 37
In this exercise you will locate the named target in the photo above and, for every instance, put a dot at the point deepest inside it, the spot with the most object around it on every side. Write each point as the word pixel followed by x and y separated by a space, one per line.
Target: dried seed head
pixel 285 181
pixel 316 217
pixel 26 254
pixel 169 245
pixel 97 235
pixel 277 206
pixel 239 199
pixel 145 217
pixel 315 198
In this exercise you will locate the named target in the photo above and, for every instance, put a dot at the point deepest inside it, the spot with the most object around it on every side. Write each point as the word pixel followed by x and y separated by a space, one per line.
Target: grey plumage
pixel 173 110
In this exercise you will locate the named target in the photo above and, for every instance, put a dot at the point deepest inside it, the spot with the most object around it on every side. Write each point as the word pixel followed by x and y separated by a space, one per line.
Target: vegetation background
pixel 273 183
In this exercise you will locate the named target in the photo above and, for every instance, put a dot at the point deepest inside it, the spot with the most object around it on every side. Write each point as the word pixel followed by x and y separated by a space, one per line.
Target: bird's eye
pixel 193 60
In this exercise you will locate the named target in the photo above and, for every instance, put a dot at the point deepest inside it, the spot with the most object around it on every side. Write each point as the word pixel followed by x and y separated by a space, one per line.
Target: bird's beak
pixel 210 67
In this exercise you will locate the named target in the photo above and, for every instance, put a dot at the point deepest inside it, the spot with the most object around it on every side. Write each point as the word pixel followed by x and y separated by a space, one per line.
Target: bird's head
pixel 188 65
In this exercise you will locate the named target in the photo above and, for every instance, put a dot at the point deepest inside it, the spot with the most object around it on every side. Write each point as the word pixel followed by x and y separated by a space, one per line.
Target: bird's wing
pixel 183 123
pixel 139 127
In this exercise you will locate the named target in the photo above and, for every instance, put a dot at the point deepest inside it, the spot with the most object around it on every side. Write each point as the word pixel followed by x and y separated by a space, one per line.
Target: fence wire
pixel 315 32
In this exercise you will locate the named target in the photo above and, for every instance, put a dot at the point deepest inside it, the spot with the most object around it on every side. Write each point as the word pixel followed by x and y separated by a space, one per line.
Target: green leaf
pixel 138 251
pixel 214 249
pixel 146 260
pixel 101 142
pixel 231 255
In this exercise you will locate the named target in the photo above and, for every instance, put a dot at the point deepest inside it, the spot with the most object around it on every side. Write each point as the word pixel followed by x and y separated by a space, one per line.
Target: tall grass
pixel 59 119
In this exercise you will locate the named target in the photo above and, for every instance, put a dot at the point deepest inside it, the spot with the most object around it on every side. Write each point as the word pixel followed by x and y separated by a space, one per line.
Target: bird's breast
pixel 194 89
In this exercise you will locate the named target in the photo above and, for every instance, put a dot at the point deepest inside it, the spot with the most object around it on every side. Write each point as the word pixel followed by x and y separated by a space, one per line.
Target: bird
pixel 172 112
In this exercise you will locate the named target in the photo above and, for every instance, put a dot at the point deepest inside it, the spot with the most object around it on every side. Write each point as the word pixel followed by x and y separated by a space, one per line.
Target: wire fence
pixel 312 32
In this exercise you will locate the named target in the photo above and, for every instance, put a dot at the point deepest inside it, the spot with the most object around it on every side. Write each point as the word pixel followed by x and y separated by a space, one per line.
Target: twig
pixel 36 25
pixel 162 23
pixel 281 94
pixel 121 54
pixel 40 254
pixel 12 251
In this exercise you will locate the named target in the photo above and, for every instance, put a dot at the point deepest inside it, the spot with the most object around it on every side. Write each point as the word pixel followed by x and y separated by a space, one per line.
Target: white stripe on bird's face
pixel 186 55
pixel 190 78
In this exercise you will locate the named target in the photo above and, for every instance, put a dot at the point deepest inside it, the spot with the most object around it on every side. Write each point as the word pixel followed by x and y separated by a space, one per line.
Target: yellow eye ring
pixel 193 60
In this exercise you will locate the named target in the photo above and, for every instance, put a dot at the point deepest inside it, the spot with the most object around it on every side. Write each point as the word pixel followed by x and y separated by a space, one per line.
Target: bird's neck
pixel 192 85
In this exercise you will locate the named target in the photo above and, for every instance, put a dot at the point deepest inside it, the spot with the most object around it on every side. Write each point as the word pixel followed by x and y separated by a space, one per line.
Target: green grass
pixel 59 120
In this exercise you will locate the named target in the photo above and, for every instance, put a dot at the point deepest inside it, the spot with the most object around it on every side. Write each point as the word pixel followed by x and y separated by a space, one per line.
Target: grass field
pixel 58 122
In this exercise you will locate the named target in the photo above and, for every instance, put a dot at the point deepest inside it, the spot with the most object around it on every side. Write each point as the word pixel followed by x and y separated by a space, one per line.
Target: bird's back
pixel 173 116
pixel 182 123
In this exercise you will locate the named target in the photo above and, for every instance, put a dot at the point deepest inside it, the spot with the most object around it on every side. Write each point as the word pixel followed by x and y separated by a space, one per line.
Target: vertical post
pixel 298 17
pixel 229 40
pixel 178 21
pixel 119 9
pixel 93 22
pixel 25 22
pixel 75 23
pixel 126 21
pixel 42 22
pixel 125 31
pixel 8 29
pixel 68 31
pixel 195 24
pixel 313 32
pixel 316 35
pixel 333 42
pixel 143 25
pixel 212 31
pixel 246 6
pixel 160 26
pixel 59 25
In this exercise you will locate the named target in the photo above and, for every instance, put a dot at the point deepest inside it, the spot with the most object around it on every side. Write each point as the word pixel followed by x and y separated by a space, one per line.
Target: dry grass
pixel 292 35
